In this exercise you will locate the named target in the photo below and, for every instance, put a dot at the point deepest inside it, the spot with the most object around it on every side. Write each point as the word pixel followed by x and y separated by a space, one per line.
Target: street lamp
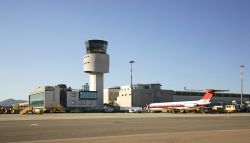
pixel 241 79
pixel 131 81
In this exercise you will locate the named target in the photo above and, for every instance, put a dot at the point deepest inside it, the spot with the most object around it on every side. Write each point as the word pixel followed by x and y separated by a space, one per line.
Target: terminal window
pixel 73 102
pixel 37 100
pixel 88 95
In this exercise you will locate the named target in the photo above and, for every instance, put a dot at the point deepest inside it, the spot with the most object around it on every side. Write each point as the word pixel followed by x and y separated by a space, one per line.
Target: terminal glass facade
pixel 88 95
pixel 37 100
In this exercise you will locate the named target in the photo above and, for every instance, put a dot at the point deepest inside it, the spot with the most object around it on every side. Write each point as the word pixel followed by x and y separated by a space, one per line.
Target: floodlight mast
pixel 241 79
pixel 131 80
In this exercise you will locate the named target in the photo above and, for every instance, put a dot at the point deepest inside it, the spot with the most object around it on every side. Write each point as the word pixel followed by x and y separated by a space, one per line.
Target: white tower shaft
pixel 96 84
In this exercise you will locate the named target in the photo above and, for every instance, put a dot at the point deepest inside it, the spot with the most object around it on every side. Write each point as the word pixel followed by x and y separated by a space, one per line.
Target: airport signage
pixel 88 95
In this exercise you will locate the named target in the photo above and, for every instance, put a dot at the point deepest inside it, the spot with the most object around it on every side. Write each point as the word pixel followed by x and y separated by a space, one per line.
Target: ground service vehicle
pixel 230 108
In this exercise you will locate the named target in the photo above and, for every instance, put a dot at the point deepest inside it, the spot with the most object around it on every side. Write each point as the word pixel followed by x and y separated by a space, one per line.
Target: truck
pixel 131 109
pixel 230 108
pixel 218 109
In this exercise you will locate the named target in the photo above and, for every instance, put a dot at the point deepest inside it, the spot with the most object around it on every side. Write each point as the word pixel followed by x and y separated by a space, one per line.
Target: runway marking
pixel 34 125
pixel 136 135
pixel 82 116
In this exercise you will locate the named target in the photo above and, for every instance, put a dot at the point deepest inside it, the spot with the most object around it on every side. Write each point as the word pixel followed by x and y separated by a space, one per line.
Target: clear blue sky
pixel 194 43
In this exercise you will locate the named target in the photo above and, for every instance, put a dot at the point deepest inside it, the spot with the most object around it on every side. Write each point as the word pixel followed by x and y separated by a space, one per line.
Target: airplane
pixel 184 105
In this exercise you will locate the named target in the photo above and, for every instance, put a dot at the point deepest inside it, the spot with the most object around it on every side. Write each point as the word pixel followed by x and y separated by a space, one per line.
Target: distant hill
pixel 10 102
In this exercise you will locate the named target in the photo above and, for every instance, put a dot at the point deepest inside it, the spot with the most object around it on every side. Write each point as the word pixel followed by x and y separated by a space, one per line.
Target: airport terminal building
pixel 222 98
pixel 142 95
pixel 45 97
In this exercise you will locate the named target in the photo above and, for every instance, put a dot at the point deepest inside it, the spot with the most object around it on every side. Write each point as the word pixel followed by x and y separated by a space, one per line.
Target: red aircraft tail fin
pixel 210 93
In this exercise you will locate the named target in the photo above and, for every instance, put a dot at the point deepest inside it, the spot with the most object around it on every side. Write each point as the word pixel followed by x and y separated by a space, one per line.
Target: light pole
pixel 241 79
pixel 131 81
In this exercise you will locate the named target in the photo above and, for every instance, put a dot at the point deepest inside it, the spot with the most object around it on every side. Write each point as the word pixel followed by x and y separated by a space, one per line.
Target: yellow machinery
pixel 57 108
pixel 15 109
pixel 27 110
pixel 54 108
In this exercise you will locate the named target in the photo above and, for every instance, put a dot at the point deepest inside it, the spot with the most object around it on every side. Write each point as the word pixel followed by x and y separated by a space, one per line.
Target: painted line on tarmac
pixel 34 124
pixel 133 135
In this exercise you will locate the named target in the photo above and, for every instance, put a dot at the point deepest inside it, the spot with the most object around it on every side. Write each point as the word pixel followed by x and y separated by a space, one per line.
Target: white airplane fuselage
pixel 182 105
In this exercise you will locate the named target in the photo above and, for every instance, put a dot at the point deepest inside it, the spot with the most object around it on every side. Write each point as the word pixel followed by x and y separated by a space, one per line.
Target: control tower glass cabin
pixel 96 46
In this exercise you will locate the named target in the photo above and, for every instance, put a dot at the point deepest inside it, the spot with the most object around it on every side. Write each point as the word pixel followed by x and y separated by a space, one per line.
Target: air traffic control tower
pixel 96 63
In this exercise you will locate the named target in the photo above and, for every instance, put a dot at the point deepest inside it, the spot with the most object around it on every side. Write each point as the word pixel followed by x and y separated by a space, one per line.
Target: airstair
pixel 26 110
pixel 57 108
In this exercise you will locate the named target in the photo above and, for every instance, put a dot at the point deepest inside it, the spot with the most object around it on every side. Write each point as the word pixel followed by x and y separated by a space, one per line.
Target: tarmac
pixel 125 127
